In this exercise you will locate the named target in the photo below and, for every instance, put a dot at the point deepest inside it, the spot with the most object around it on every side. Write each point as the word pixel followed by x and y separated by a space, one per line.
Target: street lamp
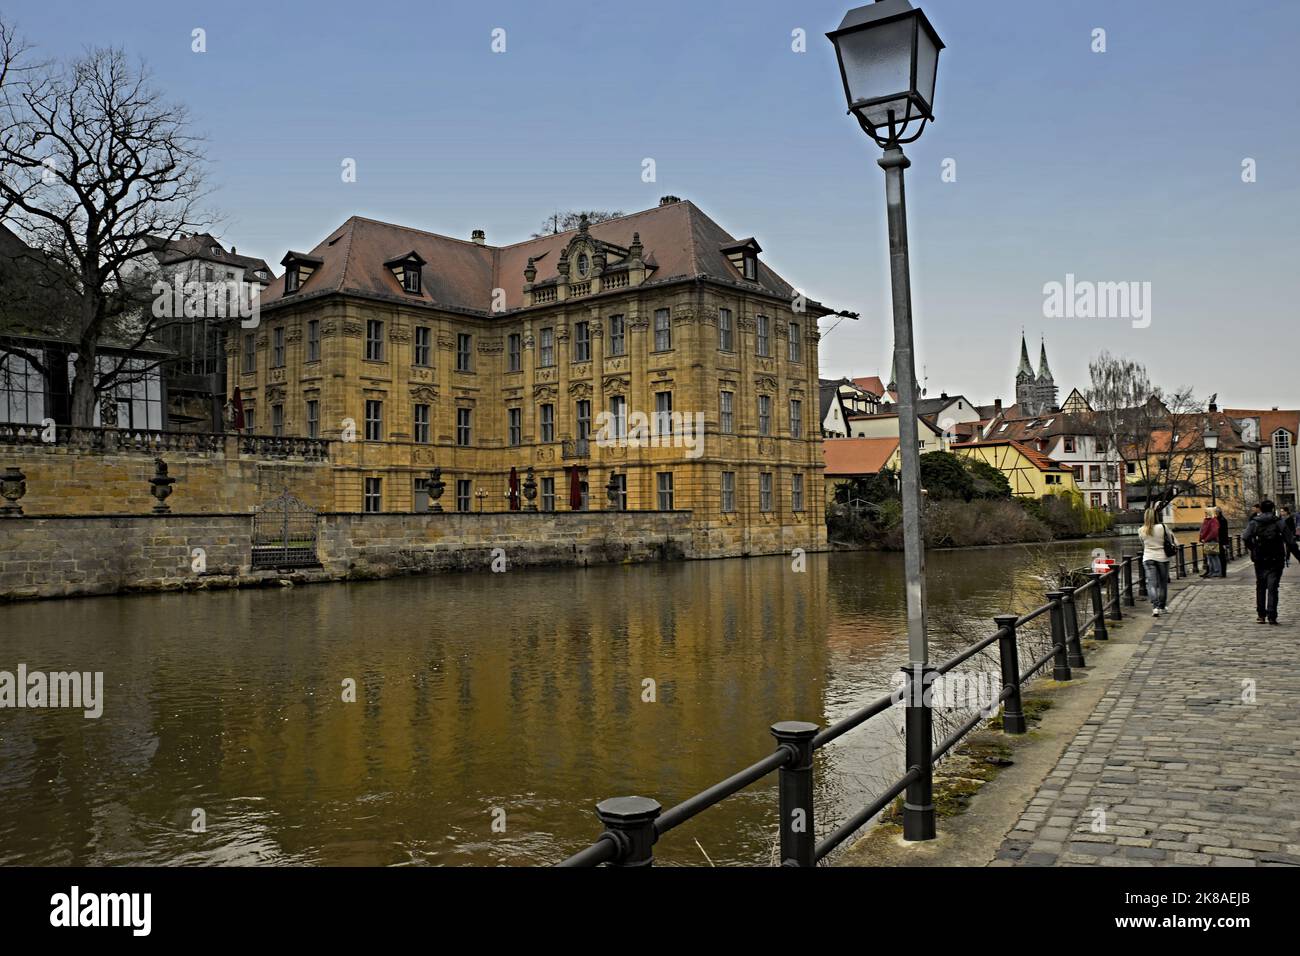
pixel 889 56
pixel 1211 440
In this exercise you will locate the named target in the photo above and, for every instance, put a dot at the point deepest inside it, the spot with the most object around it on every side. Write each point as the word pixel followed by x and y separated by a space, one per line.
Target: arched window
pixel 1281 458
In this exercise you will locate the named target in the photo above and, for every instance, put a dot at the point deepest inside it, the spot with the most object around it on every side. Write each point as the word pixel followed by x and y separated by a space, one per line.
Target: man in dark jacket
pixel 1225 542
pixel 1270 541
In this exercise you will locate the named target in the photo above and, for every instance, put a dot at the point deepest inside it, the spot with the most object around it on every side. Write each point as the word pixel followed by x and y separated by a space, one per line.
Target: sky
pixel 1048 157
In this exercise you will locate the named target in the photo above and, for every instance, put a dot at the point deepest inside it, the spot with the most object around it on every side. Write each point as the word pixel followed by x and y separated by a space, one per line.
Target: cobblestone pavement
pixel 1177 766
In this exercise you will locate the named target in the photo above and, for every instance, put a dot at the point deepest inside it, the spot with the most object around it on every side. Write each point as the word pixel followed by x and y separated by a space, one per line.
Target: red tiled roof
pixel 857 456
pixel 1270 420
pixel 678 239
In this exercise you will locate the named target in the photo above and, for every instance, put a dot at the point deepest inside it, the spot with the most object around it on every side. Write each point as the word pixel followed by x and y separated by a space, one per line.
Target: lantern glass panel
pixel 877 61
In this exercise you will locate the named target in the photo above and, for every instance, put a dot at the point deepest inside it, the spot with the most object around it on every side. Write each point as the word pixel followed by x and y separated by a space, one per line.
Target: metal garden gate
pixel 284 534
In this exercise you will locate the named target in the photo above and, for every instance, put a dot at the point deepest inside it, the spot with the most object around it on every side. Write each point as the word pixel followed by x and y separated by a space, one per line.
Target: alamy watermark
pixel 36 689
pixel 224 299
pixel 1084 299
pixel 657 430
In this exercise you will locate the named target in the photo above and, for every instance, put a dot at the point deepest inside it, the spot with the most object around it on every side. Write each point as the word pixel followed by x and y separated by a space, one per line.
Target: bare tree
pixel 92 162
pixel 1119 387
pixel 559 222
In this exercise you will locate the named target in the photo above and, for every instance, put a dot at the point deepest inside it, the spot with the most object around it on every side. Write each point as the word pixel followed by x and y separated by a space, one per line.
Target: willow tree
pixel 93 160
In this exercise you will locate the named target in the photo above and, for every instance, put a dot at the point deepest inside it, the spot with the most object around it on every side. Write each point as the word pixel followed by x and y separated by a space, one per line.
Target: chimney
pixel 943 396
pixel 232 250
pixel 1214 406
pixel 479 237
pixel 997 406
pixel 669 200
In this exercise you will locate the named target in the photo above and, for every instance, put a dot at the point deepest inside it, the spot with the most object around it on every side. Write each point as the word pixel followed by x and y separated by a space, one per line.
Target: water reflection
pixel 521 692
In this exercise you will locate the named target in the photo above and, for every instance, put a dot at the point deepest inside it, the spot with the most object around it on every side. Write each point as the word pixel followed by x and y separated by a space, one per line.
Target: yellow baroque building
pixel 648 362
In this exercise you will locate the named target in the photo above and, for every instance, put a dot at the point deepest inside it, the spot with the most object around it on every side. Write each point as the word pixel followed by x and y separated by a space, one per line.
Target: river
pixel 492 711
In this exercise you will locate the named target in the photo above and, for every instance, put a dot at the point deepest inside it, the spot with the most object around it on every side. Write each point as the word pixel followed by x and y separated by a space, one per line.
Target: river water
pixel 492 711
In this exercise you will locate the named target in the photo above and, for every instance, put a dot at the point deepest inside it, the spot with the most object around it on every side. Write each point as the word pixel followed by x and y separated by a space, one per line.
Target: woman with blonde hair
pixel 1158 544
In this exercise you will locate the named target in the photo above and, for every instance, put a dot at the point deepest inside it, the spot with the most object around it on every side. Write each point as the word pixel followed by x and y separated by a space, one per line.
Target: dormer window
pixel 407 270
pixel 743 256
pixel 297 270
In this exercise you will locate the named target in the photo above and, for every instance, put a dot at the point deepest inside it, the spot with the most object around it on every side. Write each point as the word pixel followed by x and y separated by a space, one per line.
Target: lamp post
pixel 889 56
pixel 1211 440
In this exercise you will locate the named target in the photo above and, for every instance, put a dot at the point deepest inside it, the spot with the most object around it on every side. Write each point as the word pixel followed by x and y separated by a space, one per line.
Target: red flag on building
pixel 238 418
pixel 514 489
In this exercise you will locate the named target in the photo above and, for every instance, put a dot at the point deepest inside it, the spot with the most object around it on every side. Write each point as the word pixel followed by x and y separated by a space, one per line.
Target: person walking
pixel 1270 542
pixel 1225 542
pixel 1210 544
pixel 1158 544
pixel 1288 518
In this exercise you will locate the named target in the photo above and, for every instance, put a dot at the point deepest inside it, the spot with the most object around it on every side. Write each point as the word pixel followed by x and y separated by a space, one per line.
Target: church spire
pixel 1044 373
pixel 1026 369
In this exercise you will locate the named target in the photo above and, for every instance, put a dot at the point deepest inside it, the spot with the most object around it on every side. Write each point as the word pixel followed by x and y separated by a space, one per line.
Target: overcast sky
pixel 1116 166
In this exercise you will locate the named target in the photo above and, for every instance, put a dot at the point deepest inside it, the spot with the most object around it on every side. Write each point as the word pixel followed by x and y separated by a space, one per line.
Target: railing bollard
pixel 1070 615
pixel 1196 559
pixel 1112 587
pixel 1013 716
pixel 1061 662
pixel 631 820
pixel 918 800
pixel 1098 612
pixel 1142 578
pixel 795 787
pixel 1128 580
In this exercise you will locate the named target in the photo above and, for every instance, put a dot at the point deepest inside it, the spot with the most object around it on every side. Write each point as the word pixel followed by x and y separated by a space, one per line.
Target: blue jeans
pixel 1213 565
pixel 1157 582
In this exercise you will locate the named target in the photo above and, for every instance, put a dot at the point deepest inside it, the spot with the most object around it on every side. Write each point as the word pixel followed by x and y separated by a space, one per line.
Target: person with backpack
pixel 1270 541
pixel 1288 518
pixel 1158 546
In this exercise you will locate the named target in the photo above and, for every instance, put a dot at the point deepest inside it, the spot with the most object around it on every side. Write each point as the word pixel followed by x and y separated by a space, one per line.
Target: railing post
pixel 1070 615
pixel 1142 577
pixel 1196 558
pixel 1128 580
pixel 1112 581
pixel 631 821
pixel 795 786
pixel 918 800
pixel 1098 611
pixel 1182 560
pixel 1061 663
pixel 1013 716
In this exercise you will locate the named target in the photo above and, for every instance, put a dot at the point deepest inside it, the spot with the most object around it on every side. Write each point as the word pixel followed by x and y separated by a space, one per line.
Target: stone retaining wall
pixel 66 556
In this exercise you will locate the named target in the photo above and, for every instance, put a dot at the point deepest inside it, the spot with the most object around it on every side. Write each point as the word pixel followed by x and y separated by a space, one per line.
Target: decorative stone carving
pixel 446 341
pixel 491 345
pixel 400 333
pixel 293 334
pixel 580 390
pixel 616 384
pixel 353 329
pixel 765 383
pixel 275 393
pixel 425 394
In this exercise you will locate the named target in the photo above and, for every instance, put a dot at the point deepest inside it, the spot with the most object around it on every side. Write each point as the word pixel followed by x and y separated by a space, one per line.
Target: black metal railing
pixel 632 825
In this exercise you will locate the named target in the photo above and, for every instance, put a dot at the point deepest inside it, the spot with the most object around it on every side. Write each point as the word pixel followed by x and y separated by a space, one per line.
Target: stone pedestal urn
pixel 436 487
pixel 161 486
pixel 530 490
pixel 13 485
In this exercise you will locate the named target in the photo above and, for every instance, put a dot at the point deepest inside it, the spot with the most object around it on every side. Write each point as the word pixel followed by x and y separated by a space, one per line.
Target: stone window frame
pixel 765 492
pixel 313 340
pixel 375 350
pixel 617 334
pixel 727 495
pixel 377 420
pixel 422 350
pixel 464 426
pixel 372 493
pixel 582 341
pixel 726 331
pixel 663 334
pixel 546 422
pixel 514 426
pixel 425 427
pixel 796 493
pixel 464 352
pixel 664 495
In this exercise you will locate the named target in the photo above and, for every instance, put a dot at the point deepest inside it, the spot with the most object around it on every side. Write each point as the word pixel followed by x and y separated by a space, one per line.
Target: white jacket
pixel 1153 545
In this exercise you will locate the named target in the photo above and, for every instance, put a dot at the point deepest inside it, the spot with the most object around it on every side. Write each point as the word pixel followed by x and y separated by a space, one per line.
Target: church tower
pixel 1044 385
pixel 1026 395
